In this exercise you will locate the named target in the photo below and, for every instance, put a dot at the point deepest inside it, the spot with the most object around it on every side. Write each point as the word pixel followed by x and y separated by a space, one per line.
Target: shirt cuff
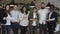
pixel 51 19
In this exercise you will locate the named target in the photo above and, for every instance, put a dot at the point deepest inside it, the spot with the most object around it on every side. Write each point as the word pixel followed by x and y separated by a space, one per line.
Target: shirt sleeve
pixel 20 17
pixel 51 19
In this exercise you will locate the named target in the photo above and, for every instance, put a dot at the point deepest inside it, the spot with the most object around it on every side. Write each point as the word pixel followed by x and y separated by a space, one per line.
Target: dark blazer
pixel 53 23
pixel 2 15
pixel 31 17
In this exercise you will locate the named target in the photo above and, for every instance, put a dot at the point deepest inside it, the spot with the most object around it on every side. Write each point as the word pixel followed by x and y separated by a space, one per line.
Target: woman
pixel 33 20
pixel 6 26
pixel 23 16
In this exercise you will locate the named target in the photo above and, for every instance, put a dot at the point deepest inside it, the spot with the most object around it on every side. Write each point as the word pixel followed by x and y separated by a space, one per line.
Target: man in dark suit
pixel 52 19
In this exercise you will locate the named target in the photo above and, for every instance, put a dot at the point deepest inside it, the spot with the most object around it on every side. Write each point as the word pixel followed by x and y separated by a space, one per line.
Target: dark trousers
pixel 14 26
pixel 5 29
pixel 51 29
pixel 33 30
pixel 43 29
pixel 23 29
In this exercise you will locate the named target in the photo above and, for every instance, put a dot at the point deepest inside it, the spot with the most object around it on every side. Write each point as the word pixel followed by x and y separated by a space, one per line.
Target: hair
pixel 42 3
pixel 16 4
pixel 52 6
pixel 34 8
pixel 25 11
pixel 8 11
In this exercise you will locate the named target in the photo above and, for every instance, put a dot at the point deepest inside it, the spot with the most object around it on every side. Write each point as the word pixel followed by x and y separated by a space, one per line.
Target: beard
pixel 42 7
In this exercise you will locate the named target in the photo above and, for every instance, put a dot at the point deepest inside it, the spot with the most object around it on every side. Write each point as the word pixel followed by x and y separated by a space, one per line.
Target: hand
pixel 24 17
pixel 48 21
pixel 4 18
pixel 7 18
pixel 35 19
pixel 31 19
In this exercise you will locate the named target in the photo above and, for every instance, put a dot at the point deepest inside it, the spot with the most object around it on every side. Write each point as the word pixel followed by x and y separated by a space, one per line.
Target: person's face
pixel 15 7
pixel 42 6
pixel 35 10
pixel 51 8
pixel 7 7
pixel 24 9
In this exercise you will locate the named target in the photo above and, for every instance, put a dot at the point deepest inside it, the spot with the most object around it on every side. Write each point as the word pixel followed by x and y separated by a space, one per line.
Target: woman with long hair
pixel 23 16
pixel 6 25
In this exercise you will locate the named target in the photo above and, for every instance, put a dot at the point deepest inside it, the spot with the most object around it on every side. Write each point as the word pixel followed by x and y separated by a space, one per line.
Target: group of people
pixel 15 18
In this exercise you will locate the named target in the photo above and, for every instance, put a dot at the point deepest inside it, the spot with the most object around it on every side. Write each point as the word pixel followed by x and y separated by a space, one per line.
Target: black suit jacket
pixel 53 23
pixel 2 15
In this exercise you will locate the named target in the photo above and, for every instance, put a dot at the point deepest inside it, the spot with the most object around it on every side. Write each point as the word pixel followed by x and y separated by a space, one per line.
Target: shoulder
pixel 55 12
pixel 39 10
pixel 46 10
pixel 20 13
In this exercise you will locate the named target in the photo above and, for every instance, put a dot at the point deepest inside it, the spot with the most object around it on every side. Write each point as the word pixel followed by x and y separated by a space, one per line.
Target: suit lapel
pixel 52 15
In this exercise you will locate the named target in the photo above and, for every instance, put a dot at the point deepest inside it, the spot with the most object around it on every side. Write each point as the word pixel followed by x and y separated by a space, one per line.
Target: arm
pixel 56 17
pixel 37 17
pixel 51 19
pixel 20 17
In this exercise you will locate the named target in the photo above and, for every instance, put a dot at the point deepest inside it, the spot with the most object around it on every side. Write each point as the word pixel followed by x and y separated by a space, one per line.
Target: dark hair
pixel 42 3
pixel 8 11
pixel 52 5
pixel 25 11
pixel 34 8
pixel 16 4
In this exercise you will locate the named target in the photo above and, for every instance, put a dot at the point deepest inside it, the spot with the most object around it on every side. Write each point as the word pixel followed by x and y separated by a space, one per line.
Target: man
pixel 42 18
pixel 52 19
pixel 15 19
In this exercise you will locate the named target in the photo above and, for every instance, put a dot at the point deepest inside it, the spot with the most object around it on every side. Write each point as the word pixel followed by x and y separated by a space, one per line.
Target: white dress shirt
pixel 42 15
pixel 15 15
pixel 34 22
pixel 23 22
